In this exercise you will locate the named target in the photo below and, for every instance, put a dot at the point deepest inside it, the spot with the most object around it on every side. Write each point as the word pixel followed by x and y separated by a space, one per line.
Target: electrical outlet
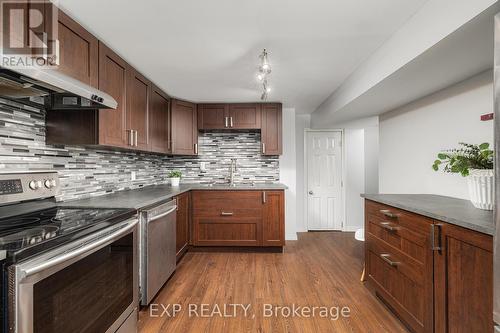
pixel 132 176
pixel 203 166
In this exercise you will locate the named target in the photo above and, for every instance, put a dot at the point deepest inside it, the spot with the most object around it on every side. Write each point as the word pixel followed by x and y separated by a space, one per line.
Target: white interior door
pixel 324 180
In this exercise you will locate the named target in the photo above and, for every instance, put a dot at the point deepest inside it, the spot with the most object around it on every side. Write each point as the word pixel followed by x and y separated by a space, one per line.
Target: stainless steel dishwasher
pixel 157 248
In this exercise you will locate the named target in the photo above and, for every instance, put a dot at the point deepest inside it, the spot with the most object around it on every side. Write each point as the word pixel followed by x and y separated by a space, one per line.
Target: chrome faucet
pixel 232 170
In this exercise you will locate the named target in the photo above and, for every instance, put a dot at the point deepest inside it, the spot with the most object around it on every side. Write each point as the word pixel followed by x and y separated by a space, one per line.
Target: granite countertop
pixel 451 210
pixel 150 195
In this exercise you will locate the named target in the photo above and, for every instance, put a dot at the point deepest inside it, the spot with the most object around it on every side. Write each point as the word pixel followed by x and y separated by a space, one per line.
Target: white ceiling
pixel 208 50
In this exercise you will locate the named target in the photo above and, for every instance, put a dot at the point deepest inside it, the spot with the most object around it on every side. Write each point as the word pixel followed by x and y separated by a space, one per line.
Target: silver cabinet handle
pixel 435 247
pixel 226 213
pixel 386 257
pixel 388 213
pixel 225 121
pixel 135 142
pixel 311 192
pixel 388 226
pixel 263 148
pixel 264 197
pixel 131 137
pixel 196 149
pixel 231 121
pixel 95 245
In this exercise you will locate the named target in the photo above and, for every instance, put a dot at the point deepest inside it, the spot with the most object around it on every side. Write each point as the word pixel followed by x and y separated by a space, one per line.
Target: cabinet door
pixel 182 224
pixel 113 77
pixel 273 218
pixel 78 51
pixel 184 128
pixel 463 281
pixel 213 116
pixel 271 136
pixel 138 92
pixel 159 121
pixel 245 116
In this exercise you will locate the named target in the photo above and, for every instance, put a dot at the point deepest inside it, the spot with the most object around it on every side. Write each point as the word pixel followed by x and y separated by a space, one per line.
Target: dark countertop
pixel 150 195
pixel 451 210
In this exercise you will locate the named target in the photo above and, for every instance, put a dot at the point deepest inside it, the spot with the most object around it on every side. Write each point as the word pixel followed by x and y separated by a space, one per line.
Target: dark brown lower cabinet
pixel 436 277
pixel 463 281
pixel 182 226
pixel 238 218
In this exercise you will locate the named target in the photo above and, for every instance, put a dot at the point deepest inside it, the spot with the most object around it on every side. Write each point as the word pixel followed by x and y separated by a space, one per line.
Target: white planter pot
pixel 175 181
pixel 481 188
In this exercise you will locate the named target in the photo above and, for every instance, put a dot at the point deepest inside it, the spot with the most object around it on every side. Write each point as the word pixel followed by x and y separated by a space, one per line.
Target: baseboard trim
pixel 291 236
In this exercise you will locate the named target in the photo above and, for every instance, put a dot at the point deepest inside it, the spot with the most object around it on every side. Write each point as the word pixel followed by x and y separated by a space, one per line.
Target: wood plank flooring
pixel 320 269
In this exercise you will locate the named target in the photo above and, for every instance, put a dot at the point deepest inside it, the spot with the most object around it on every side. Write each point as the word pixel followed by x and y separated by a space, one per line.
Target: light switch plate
pixel 203 166
pixel 132 176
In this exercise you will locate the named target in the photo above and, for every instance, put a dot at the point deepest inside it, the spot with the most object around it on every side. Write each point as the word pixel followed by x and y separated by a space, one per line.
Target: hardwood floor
pixel 320 269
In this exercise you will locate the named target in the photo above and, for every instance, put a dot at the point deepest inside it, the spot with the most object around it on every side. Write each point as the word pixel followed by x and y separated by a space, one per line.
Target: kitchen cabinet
pixel 273 215
pixel 184 128
pixel 213 116
pixel 244 116
pixel 229 116
pixel 183 222
pixel 138 92
pixel 463 280
pixel 435 276
pixel 237 218
pixel 159 121
pixel 78 51
pixel 271 132
pixel 113 80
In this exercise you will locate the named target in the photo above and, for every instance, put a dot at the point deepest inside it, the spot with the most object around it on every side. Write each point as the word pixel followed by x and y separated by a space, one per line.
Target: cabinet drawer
pixel 411 221
pixel 227 231
pixel 212 203
pixel 401 282
pixel 411 243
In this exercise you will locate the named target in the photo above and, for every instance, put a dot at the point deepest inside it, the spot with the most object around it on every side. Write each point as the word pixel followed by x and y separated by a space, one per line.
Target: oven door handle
pixel 79 251
pixel 154 218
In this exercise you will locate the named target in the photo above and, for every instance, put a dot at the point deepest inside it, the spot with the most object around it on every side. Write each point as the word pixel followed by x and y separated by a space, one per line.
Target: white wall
pixel 288 173
pixel 354 178
pixel 302 122
pixel 411 137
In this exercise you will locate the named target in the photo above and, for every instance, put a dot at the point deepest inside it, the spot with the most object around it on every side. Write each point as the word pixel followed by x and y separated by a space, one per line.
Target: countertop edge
pixel 461 223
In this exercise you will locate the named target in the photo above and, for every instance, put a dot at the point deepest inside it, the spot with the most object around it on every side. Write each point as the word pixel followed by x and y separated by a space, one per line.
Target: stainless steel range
pixel 64 269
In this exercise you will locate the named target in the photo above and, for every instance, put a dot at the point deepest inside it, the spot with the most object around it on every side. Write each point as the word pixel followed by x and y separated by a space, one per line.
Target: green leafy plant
pixel 175 174
pixel 462 160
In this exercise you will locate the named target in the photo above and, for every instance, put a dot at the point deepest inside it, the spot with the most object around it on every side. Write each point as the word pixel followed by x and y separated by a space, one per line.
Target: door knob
pixel 311 192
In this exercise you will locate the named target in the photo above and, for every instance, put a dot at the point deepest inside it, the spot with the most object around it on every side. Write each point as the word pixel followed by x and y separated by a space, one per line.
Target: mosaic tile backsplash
pixel 86 172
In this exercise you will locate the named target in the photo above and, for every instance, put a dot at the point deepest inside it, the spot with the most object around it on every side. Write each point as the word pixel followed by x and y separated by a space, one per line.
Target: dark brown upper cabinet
pixel 159 121
pixel 138 92
pixel 78 51
pixel 244 116
pixel 213 116
pixel 271 133
pixel 113 80
pixel 184 128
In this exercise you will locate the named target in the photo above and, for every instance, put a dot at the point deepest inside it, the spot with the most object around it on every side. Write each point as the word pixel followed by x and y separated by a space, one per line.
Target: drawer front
pixel 402 282
pixel 236 204
pixel 227 231
pixel 411 243
pixel 411 221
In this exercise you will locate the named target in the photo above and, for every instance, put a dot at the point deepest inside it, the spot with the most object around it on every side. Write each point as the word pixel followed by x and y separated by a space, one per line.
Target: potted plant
pixel 476 163
pixel 175 177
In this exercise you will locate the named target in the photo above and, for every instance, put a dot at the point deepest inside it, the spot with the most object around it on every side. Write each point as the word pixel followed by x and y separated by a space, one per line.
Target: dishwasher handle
pixel 156 217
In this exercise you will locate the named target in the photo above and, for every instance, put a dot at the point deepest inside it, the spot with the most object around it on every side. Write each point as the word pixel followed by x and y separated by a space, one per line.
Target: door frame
pixel 306 183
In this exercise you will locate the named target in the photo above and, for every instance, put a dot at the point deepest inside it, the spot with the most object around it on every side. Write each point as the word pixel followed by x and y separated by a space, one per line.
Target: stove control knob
pixel 53 182
pixel 48 183
pixel 33 185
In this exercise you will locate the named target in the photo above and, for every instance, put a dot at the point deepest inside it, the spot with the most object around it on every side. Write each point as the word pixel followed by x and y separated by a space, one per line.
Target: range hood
pixel 52 89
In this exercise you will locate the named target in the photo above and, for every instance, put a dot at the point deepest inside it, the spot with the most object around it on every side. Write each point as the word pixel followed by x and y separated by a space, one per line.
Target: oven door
pixel 89 285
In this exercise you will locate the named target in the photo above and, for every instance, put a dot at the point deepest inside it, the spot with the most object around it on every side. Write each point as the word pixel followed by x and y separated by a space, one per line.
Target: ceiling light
pixel 264 67
pixel 260 77
pixel 264 71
